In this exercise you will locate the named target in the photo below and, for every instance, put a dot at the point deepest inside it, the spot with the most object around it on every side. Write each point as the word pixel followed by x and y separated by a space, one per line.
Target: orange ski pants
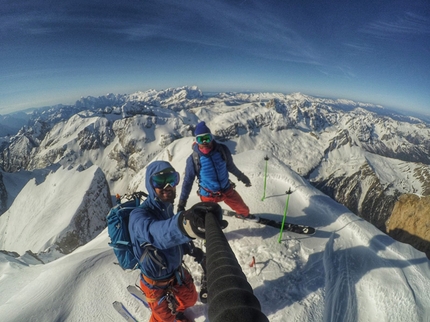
pixel 185 295
pixel 232 199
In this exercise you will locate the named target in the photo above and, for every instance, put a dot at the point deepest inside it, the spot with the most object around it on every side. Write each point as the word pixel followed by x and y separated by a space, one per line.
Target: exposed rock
pixel 16 156
pixel 95 137
pixel 89 219
pixel 362 193
pixel 13 254
pixel 410 222
pixel 3 195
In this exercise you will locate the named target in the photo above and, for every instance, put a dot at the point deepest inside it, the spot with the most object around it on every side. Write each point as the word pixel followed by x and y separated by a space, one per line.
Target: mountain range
pixel 361 155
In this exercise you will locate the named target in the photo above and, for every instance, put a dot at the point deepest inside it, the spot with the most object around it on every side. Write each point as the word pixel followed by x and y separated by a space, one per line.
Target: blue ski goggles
pixel 167 177
pixel 204 138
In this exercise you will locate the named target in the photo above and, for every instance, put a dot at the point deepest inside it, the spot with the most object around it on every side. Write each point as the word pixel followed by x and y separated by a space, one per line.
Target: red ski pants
pixel 185 295
pixel 232 198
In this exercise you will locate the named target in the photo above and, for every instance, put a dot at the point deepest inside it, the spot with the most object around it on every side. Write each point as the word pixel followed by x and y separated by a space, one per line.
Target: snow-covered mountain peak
pixel 64 211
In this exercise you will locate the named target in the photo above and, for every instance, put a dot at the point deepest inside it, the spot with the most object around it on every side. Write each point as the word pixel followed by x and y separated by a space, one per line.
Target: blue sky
pixel 54 52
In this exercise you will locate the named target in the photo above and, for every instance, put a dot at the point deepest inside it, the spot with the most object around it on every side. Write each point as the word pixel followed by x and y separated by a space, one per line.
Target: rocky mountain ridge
pixel 409 222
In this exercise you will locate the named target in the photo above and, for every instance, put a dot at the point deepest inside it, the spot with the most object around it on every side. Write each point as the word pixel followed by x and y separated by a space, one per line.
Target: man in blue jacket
pixel 211 163
pixel 160 239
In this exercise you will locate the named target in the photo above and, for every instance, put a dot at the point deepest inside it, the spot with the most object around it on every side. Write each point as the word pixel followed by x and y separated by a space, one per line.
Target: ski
pixel 295 228
pixel 298 229
pixel 138 294
pixel 122 310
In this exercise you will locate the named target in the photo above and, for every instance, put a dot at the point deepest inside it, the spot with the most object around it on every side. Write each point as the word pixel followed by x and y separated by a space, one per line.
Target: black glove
pixel 245 180
pixel 192 221
pixel 198 254
pixel 181 205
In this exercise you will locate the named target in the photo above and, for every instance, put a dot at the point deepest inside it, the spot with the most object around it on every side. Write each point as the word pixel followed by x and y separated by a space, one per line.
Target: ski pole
pixel 289 192
pixel 265 176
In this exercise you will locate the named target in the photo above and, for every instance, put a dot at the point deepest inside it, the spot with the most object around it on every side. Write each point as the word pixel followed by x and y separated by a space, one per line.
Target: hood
pixel 152 168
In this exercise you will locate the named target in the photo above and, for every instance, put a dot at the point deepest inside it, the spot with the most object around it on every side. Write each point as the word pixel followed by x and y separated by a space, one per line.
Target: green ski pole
pixel 265 176
pixel 289 192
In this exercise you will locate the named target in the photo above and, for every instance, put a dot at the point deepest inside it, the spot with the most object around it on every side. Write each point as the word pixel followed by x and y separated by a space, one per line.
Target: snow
pixel 51 210
pixel 347 271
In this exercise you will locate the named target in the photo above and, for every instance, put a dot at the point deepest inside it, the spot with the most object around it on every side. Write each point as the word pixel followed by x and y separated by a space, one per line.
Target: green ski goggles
pixel 204 138
pixel 167 177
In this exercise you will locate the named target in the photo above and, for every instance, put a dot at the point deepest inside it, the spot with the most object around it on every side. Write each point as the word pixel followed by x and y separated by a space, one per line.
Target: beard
pixel 167 195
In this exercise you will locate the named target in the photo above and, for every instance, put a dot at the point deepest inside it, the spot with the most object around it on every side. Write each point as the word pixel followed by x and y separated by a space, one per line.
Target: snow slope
pixel 347 271
pixel 57 208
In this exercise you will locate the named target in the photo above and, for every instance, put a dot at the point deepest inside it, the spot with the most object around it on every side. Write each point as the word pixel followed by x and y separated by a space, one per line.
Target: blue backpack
pixel 117 223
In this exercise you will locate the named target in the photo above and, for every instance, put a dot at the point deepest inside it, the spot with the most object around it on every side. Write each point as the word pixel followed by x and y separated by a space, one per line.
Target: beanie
pixel 201 128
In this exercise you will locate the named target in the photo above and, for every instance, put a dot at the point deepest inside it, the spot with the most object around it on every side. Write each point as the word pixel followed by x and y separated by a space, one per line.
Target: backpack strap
pixel 152 252
pixel 196 161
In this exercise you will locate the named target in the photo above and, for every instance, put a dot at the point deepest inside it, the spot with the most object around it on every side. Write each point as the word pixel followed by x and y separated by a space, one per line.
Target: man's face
pixel 206 145
pixel 164 184
pixel 167 194
pixel 205 142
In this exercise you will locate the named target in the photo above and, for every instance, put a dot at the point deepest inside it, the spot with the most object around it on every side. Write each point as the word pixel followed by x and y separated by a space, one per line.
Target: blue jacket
pixel 157 240
pixel 213 175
